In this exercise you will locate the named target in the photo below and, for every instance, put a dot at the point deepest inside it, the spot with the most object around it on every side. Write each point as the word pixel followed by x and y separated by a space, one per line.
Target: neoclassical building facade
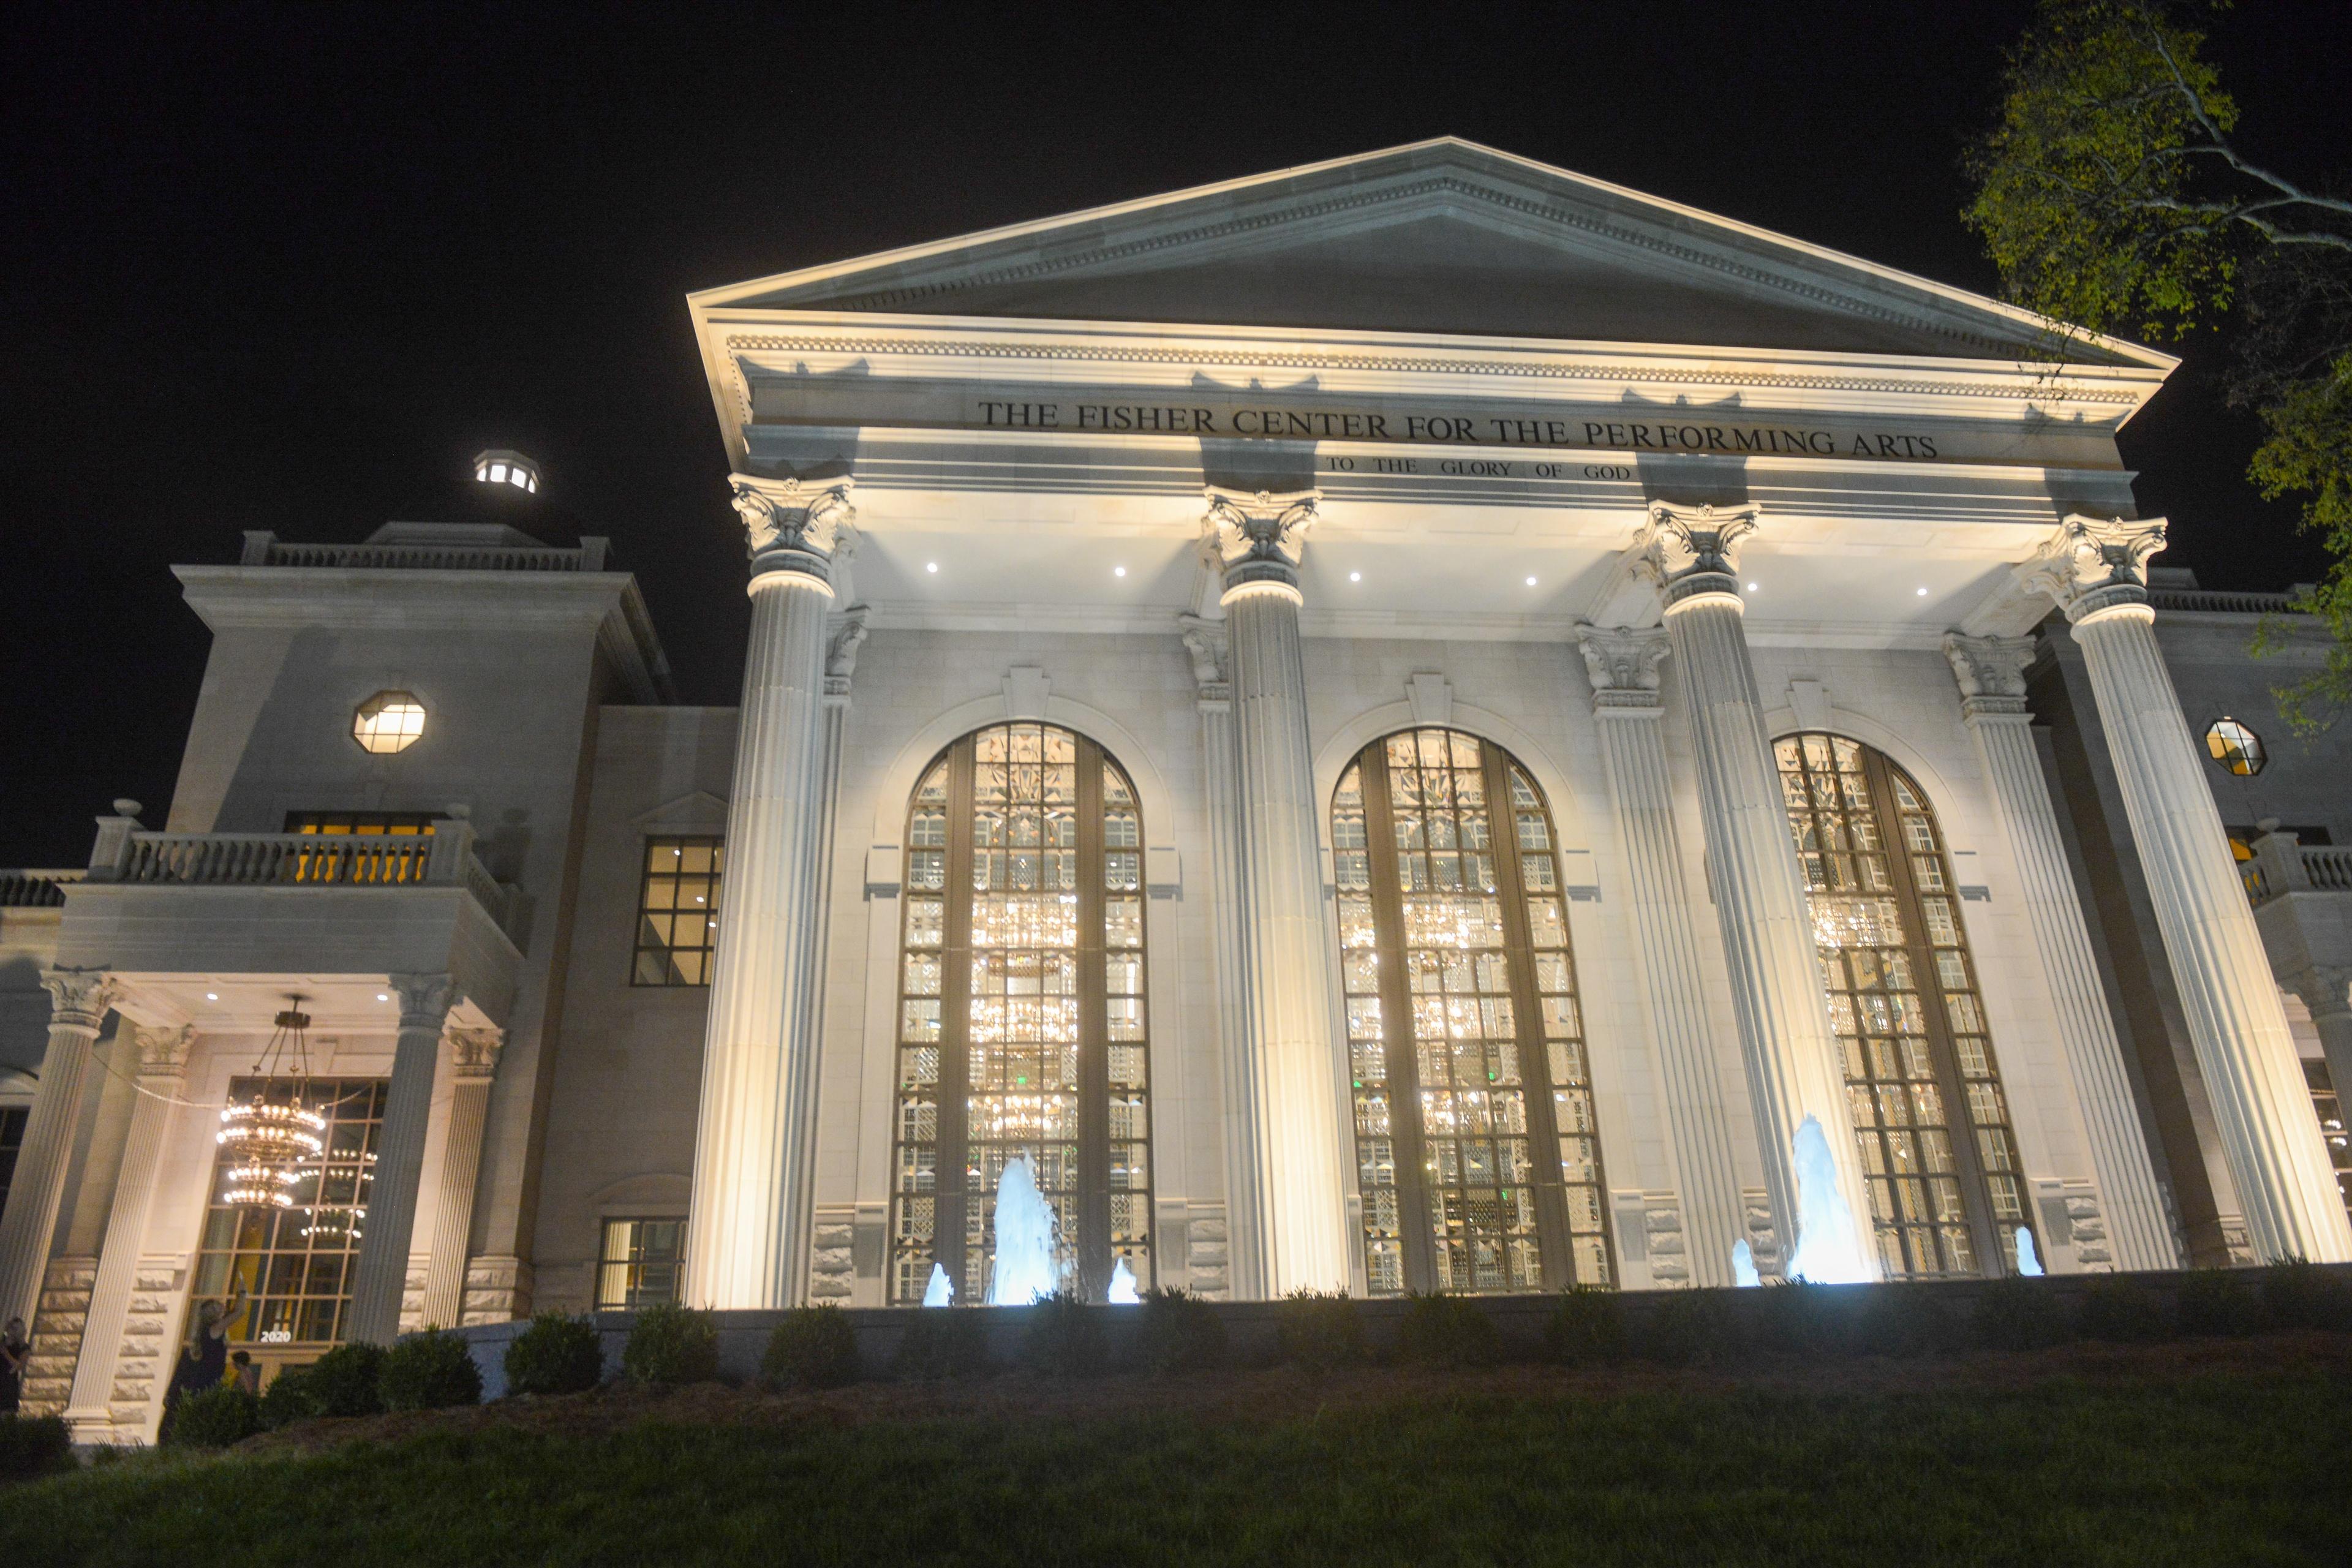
pixel 1421 722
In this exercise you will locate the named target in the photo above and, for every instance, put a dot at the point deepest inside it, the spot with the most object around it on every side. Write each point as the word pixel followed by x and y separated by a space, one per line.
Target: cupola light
pixel 500 467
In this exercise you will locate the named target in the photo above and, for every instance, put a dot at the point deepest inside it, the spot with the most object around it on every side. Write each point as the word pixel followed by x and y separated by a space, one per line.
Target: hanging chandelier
pixel 334 1225
pixel 273 1135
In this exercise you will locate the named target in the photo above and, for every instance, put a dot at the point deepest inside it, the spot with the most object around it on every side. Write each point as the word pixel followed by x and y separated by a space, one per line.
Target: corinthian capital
pixel 792 526
pixel 163 1053
pixel 1623 666
pixel 1991 672
pixel 474 1053
pixel 2095 564
pixel 1695 550
pixel 78 998
pixel 425 999
pixel 1260 537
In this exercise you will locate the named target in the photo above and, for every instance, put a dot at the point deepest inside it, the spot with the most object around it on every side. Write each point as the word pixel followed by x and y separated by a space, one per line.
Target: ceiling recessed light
pixel 383 997
pixel 1355 576
pixel 211 996
pixel 1923 593
pixel 1751 587
pixel 1531 581
pixel 1119 571
pixel 930 565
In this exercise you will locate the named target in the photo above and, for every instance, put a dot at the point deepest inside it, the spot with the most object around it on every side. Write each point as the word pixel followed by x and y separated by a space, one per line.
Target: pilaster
pixel 473 1065
pixel 380 1274
pixel 2094 569
pixel 1990 673
pixel 116 1374
pixel 1235 1266
pixel 1624 667
pixel 78 1002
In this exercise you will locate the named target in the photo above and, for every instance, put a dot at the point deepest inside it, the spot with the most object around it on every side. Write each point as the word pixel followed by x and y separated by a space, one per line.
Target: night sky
pixel 290 268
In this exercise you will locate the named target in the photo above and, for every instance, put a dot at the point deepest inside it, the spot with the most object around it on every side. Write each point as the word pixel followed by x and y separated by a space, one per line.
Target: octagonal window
pixel 2238 749
pixel 388 721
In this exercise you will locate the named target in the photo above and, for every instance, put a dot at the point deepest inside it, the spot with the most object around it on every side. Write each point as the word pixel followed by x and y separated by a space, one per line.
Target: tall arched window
pixel 1021 1010
pixel 1478 1156
pixel 1937 1151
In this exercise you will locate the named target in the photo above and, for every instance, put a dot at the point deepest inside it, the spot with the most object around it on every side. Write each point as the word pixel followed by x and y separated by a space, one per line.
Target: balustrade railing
pixel 2281 866
pixel 34 889
pixel 262 549
pixel 443 858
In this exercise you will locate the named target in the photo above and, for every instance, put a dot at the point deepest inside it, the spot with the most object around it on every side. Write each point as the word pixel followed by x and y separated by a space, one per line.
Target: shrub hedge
pixel 290 1397
pixel 1065 1337
pixel 671 1343
pixel 430 1370
pixel 1318 1329
pixel 348 1381
pixel 1588 1326
pixel 813 1347
pixel 214 1419
pixel 555 1354
pixel 34 1446
pixel 1177 1332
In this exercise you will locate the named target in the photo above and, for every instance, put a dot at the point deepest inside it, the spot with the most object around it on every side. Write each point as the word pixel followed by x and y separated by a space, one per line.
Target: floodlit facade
pixel 1424 722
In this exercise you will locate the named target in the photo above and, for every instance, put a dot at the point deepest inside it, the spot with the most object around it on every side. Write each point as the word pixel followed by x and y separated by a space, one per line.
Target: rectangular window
pixel 640 1263
pixel 677 912
pixel 12 1138
pixel 295 1264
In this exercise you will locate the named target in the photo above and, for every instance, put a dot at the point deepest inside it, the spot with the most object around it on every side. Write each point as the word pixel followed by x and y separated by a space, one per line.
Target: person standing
pixel 203 1363
pixel 14 1351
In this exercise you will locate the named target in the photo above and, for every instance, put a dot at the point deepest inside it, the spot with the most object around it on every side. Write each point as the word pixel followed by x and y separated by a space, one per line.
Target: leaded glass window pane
pixel 1022 1011
pixel 1477 1159
pixel 1938 1155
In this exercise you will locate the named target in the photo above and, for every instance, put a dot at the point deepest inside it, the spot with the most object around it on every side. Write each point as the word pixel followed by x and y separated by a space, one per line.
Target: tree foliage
pixel 2113 198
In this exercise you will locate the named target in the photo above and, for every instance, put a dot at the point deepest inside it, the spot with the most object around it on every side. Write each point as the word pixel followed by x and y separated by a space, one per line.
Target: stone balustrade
pixel 265 549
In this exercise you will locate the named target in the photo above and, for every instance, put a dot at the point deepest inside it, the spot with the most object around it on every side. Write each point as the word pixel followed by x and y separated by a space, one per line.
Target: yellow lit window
pixel 677 912
pixel 388 721
pixel 2238 749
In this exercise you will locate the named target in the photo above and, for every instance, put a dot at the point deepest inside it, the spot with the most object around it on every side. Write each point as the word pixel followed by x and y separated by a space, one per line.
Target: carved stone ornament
pixel 163 1053
pixel 1991 672
pixel 79 998
pixel 1211 646
pixel 2095 564
pixel 848 636
pixel 1623 665
pixel 1260 537
pixel 792 526
pixel 1695 550
pixel 2325 989
pixel 474 1053
pixel 425 999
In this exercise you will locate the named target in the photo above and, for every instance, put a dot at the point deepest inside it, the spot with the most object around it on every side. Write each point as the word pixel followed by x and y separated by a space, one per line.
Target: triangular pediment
pixel 1442 237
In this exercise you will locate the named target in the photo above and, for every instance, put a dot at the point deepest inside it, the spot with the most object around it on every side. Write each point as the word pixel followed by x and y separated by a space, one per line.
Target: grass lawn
pixel 2228 1465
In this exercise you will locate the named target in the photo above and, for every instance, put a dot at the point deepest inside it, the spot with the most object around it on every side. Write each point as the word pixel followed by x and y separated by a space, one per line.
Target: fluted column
pixel 1991 676
pixel 1211 653
pixel 162 1068
pixel 2095 569
pixel 1625 701
pixel 473 1063
pixel 1302 1215
pixel 754 1150
pixel 1794 1073
pixel 380 1277
pixel 78 1000
pixel 2327 991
